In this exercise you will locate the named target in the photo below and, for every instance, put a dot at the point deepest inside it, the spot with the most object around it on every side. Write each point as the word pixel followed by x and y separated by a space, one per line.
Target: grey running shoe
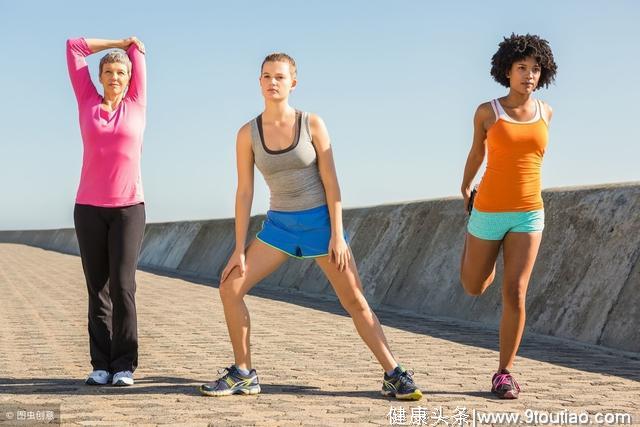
pixel 400 385
pixel 232 382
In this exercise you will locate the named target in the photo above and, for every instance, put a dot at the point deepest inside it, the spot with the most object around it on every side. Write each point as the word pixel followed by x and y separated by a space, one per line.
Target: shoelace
pixel 223 370
pixel 406 377
pixel 507 379
pixel 226 371
pixel 223 373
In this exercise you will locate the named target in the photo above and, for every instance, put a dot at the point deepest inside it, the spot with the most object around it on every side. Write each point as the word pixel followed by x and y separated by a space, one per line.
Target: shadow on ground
pixel 557 351
pixel 179 386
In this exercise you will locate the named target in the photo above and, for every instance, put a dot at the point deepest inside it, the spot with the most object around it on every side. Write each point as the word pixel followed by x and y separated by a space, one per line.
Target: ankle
pixel 244 369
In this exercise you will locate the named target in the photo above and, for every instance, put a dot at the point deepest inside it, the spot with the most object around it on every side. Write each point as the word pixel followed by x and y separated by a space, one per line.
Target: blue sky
pixel 397 83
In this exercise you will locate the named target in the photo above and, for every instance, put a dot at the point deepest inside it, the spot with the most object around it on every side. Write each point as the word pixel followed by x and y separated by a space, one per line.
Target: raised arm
pixel 138 85
pixel 135 50
pixel 77 50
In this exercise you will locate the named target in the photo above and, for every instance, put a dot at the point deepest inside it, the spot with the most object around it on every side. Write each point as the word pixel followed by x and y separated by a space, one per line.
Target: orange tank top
pixel 511 182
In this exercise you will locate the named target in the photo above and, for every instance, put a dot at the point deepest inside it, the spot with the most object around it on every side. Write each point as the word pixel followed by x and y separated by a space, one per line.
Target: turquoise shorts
pixel 300 234
pixel 494 225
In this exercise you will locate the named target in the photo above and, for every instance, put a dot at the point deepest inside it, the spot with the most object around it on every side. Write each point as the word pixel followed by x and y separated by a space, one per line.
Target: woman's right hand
pixel 133 40
pixel 237 260
pixel 466 195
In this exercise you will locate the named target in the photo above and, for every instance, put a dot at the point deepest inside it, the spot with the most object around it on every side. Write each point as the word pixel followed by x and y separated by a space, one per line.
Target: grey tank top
pixel 291 174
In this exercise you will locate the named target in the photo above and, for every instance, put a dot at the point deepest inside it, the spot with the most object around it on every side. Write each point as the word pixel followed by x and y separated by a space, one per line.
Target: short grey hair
pixel 114 56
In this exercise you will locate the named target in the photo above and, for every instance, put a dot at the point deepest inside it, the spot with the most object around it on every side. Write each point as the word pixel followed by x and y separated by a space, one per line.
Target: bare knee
pixel 230 289
pixel 473 289
pixel 355 304
pixel 474 286
pixel 514 295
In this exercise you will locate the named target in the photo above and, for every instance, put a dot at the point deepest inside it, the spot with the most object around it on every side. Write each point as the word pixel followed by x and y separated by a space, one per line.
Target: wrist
pixel 338 234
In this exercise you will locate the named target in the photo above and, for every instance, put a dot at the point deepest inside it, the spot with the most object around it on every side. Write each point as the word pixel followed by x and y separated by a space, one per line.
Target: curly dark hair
pixel 517 47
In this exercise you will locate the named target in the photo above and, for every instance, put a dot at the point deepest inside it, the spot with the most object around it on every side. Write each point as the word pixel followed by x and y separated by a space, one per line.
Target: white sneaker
pixel 123 378
pixel 98 377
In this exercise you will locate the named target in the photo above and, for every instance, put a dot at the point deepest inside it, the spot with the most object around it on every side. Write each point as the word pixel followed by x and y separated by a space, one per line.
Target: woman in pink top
pixel 109 214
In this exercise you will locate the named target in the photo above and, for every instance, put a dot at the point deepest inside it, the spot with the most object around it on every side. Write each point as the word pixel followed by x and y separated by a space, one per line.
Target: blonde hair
pixel 280 57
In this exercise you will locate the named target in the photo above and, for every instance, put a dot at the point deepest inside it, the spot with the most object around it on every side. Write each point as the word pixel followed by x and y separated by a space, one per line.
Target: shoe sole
pixel 416 395
pixel 121 383
pixel 508 395
pixel 91 381
pixel 242 391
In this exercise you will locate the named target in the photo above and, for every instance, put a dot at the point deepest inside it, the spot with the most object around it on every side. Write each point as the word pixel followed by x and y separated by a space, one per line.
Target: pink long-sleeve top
pixel 112 140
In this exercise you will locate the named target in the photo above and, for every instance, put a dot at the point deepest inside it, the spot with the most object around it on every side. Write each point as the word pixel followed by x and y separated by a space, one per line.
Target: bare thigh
pixel 260 261
pixel 345 283
pixel 520 251
pixel 478 266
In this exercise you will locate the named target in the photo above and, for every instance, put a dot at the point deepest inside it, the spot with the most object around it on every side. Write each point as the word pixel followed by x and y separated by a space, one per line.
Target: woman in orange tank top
pixel 508 210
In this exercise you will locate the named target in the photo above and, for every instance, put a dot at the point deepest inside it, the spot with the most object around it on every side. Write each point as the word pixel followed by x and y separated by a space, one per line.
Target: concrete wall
pixel 585 286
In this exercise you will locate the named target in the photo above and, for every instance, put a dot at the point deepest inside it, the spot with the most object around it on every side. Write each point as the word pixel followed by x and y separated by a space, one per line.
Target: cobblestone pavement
pixel 313 367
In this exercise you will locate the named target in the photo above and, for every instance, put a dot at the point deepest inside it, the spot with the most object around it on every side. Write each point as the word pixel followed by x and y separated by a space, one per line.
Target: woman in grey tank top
pixel 292 150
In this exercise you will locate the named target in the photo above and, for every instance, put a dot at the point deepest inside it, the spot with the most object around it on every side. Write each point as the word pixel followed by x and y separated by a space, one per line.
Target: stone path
pixel 313 367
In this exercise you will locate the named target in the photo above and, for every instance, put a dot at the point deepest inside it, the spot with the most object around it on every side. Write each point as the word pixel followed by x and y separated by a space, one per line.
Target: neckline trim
pixel 296 136
pixel 502 114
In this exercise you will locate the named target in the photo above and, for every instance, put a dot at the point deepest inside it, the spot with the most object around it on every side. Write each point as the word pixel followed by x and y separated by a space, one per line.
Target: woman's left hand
pixel 339 252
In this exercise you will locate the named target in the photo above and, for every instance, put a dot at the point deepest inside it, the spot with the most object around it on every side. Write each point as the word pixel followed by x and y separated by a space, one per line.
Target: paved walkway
pixel 313 367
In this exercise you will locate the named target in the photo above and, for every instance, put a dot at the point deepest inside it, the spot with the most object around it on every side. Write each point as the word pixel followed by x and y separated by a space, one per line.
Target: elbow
pixel 72 42
pixel 476 156
pixel 244 195
pixel 78 47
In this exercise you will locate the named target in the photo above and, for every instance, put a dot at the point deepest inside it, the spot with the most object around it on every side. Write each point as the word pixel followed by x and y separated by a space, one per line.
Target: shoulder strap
pixel 541 112
pixel 256 141
pixel 496 108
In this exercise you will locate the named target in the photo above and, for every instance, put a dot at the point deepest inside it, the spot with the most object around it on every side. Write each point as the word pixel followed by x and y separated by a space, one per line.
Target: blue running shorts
pixel 300 234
